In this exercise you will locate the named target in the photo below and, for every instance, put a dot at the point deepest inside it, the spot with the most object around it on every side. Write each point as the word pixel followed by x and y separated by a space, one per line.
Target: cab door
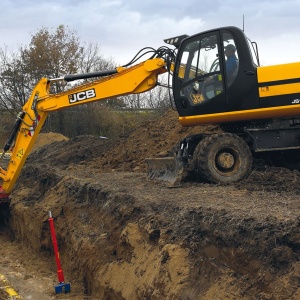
pixel 241 89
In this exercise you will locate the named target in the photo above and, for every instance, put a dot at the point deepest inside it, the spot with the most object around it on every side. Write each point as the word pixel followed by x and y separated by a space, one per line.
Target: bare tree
pixel 49 54
pixel 52 55
pixel 14 84
pixel 159 97
pixel 92 59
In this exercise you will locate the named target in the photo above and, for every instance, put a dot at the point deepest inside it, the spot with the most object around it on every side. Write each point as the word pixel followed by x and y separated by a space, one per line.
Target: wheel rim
pixel 227 162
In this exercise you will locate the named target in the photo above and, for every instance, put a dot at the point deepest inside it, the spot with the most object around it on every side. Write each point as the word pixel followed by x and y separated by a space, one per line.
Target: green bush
pixel 99 120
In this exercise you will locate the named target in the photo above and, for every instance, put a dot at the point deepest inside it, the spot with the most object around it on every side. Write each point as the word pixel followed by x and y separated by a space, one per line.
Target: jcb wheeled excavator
pixel 258 108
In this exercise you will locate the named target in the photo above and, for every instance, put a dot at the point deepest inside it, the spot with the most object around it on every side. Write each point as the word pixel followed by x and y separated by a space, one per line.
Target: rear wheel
pixel 222 158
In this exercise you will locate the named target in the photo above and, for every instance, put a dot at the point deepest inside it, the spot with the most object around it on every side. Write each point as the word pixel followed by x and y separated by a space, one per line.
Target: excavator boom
pixel 121 81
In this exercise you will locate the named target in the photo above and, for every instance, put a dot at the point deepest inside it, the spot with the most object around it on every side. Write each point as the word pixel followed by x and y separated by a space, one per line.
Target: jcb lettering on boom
pixel 82 96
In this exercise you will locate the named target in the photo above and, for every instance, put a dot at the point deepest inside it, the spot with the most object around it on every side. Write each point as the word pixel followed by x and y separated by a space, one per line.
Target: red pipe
pixel 60 273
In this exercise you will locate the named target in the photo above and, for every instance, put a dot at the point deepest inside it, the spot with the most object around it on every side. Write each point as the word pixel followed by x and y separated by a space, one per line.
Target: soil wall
pixel 122 236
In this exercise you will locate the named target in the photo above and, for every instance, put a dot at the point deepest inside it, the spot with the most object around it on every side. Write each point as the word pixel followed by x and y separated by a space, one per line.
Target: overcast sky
pixel 123 27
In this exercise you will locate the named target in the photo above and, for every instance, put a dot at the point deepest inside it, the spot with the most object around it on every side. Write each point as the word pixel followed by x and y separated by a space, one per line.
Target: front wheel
pixel 222 158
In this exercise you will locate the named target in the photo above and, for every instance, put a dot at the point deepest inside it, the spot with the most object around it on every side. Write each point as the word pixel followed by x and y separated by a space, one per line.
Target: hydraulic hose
pixel 13 132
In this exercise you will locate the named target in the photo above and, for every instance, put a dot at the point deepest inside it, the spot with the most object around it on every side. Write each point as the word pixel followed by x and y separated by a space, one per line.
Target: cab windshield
pixel 208 64
pixel 199 61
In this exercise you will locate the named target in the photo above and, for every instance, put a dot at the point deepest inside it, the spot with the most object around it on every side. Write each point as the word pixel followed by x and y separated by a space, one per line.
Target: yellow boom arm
pixel 132 80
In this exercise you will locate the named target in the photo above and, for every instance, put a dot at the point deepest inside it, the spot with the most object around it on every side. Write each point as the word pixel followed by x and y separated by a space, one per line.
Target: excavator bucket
pixel 4 198
pixel 168 169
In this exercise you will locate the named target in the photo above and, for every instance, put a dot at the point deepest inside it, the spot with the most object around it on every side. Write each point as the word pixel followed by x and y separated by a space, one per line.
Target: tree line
pixel 55 53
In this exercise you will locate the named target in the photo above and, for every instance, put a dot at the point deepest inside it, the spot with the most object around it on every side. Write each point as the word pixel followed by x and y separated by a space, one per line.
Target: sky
pixel 123 27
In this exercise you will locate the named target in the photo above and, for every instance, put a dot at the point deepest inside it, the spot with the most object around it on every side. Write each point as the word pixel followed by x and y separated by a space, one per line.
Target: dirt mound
pixel 151 139
pixel 123 236
pixel 48 138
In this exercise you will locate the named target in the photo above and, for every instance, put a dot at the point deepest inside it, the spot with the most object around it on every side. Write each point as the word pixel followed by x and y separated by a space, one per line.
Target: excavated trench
pixel 122 236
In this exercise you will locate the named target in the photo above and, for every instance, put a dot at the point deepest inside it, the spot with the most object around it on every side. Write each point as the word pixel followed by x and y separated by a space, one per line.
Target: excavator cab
pixel 214 81
pixel 217 80
pixel 215 72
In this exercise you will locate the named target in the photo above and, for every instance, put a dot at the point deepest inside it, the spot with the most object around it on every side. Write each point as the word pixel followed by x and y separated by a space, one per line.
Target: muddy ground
pixel 124 236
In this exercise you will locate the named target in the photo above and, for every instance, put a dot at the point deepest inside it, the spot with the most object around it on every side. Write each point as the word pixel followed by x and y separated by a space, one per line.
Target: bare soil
pixel 124 236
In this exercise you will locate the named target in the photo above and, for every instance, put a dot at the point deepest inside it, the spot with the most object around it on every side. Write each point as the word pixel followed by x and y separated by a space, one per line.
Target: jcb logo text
pixel 84 95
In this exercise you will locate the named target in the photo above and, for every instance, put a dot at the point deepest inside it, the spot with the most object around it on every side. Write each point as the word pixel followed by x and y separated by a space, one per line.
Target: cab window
pixel 231 57
pixel 254 53
pixel 199 69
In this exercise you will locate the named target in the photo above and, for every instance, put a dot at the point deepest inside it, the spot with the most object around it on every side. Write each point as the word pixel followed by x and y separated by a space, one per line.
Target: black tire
pixel 222 158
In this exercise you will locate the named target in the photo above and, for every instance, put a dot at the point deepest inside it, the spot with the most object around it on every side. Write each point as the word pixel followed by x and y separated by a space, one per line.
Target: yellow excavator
pixel 257 108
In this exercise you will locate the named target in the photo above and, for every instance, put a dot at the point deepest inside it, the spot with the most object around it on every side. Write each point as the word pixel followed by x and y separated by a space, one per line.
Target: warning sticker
pixel 20 153
pixel 197 98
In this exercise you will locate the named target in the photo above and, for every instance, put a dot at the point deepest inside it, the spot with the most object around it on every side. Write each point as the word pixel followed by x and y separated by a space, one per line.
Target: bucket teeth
pixel 167 169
